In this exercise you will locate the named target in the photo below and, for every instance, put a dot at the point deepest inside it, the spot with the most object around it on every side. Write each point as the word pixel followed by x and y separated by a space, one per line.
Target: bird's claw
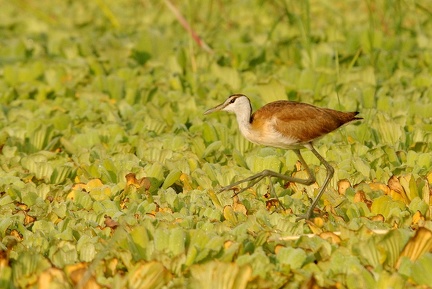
pixel 306 216
pixel 226 188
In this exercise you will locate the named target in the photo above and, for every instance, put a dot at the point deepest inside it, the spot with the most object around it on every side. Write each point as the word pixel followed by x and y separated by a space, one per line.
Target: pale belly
pixel 273 138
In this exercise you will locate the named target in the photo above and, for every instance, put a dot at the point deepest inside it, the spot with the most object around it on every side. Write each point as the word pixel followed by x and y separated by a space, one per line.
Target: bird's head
pixel 235 103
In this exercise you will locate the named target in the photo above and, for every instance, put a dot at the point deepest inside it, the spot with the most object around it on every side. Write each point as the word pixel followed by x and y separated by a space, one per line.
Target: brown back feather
pixel 303 121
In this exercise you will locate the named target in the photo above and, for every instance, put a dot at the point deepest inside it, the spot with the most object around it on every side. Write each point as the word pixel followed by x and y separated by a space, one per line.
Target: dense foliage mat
pixel 109 171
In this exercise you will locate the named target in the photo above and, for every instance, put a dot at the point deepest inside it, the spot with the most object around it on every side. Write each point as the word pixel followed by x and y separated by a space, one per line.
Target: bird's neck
pixel 244 120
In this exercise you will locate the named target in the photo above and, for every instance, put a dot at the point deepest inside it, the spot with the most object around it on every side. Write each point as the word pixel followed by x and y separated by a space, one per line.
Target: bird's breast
pixel 266 134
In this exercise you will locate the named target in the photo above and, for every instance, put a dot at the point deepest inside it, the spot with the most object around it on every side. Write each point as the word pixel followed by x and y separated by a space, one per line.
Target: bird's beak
pixel 216 108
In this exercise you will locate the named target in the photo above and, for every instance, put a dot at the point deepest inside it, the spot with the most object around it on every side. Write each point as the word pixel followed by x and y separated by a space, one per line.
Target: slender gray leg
pixel 268 173
pixel 330 173
pixel 310 180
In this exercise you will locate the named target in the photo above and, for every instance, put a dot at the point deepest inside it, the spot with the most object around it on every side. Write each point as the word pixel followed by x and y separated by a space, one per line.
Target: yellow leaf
pixel 343 185
pixel 94 183
pixel 314 228
pixel 409 185
pixel 50 277
pixel 429 177
pixel 417 217
pixel 332 237
pixel 417 245
pixel 216 274
pixel 187 181
pixel 148 275
pixel 397 191
pixel 230 215
pixel 379 187
pixel 79 274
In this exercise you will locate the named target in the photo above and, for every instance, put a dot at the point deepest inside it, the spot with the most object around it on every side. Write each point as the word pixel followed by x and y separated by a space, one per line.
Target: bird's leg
pixel 273 193
pixel 310 180
pixel 268 173
pixel 271 174
pixel 330 172
pixel 255 179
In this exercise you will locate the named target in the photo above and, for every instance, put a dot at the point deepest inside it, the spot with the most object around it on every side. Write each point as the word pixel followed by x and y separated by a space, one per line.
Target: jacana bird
pixel 287 125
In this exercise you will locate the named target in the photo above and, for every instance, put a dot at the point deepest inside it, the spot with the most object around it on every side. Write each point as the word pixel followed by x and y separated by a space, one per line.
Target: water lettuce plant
pixel 109 171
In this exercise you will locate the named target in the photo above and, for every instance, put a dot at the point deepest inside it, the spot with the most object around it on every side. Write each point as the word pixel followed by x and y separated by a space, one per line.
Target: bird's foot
pixel 306 216
pixel 253 180
pixel 226 188
pixel 236 190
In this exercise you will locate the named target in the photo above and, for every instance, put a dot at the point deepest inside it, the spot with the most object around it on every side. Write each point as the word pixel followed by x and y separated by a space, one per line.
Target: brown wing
pixel 303 121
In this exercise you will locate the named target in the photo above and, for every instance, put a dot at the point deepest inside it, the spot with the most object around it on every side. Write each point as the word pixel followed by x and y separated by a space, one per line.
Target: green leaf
pixel 141 247
pixel 171 178
pixel 227 75
pixel 27 267
pixel 293 257
pixel 6 280
pixel 86 249
pixel 420 269
pixel 161 240
pixel 362 167
pixel 272 91
pixel 60 174
pixel 389 132
pixel 219 275
pixel 212 148
pixel 384 205
pixel 177 240
pixel 63 254
pixel 259 262
pixel 386 280
pixel 156 171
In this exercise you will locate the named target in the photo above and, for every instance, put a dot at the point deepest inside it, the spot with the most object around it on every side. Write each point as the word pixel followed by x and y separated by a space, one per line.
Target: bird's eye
pixel 232 100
